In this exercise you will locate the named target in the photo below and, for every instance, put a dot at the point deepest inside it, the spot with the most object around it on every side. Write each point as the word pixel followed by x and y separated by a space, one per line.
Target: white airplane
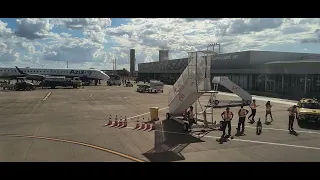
pixel 40 74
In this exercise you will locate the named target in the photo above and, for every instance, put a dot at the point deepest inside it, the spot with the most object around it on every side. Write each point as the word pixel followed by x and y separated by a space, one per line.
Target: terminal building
pixel 276 74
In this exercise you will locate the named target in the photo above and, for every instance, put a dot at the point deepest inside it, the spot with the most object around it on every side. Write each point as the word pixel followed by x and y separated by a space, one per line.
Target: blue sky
pixel 95 42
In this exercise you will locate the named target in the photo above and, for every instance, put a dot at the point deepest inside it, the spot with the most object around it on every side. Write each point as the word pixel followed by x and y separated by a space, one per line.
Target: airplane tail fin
pixel 19 70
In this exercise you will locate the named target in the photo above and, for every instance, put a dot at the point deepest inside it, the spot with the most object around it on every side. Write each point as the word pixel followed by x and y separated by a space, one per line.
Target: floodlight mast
pixel 213 45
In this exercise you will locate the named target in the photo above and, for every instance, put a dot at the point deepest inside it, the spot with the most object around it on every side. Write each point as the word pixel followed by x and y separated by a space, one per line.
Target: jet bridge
pixel 194 82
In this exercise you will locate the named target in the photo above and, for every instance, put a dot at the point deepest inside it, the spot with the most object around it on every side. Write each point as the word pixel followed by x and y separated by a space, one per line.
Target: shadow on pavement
pixel 168 146
pixel 310 126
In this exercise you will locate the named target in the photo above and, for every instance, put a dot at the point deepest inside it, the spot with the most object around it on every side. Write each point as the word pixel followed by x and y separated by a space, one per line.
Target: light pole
pixel 213 45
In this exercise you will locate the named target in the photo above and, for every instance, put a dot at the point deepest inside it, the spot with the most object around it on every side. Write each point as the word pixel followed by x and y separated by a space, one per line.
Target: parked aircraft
pixel 39 74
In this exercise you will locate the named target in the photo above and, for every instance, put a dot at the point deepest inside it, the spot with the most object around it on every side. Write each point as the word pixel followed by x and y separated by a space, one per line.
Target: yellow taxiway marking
pixel 77 143
pixel 47 96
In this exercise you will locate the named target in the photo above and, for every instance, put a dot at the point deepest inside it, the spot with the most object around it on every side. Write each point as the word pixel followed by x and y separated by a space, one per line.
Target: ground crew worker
pixel 190 116
pixel 268 111
pixel 227 116
pixel 292 112
pixel 242 117
pixel 253 107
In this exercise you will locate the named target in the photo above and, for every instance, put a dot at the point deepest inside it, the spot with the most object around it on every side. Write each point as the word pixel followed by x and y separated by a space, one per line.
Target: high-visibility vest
pixel 292 111
pixel 242 113
pixel 268 107
pixel 253 105
pixel 227 115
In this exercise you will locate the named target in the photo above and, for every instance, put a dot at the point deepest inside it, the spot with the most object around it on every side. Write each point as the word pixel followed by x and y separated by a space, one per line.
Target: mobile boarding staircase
pixel 195 82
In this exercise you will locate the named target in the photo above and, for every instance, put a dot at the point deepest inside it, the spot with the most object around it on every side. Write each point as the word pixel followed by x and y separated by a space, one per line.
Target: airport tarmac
pixel 68 125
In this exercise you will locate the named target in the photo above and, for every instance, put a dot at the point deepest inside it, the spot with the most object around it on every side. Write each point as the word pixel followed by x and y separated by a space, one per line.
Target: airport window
pixel 270 83
pixel 243 81
pixel 259 81
pixel 278 83
pixel 297 84
pixel 313 83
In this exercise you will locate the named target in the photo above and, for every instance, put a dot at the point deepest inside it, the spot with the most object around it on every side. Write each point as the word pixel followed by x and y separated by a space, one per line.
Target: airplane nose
pixel 106 78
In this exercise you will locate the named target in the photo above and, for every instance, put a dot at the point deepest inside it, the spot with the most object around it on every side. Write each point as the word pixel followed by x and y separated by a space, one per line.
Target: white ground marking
pixel 245 140
pixel 47 96
pixel 276 129
pixel 145 113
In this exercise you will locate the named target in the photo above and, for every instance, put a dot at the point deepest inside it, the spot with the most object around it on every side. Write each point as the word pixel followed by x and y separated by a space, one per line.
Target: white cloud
pixel 51 42
pixel 33 28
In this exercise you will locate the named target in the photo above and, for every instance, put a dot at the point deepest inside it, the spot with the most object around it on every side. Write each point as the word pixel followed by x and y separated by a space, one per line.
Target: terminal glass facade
pixel 295 85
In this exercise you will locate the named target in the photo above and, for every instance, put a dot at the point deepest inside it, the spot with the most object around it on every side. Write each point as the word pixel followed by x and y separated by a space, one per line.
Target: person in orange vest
pixel 242 117
pixel 268 111
pixel 292 113
pixel 227 116
pixel 253 107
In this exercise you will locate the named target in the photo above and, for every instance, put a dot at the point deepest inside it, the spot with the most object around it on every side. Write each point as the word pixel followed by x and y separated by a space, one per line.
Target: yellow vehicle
pixel 308 111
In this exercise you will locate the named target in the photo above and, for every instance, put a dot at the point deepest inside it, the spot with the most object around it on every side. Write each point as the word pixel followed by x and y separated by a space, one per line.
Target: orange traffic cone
pixel 125 122
pixel 147 126
pixel 152 126
pixel 120 122
pixel 138 124
pixel 115 121
pixel 143 125
pixel 110 121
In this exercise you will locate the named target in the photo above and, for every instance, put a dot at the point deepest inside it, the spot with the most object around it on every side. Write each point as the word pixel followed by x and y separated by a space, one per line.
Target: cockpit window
pixel 310 105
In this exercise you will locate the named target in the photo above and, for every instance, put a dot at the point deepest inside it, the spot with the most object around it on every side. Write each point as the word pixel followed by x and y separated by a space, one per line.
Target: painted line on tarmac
pixel 269 143
pixel 276 129
pixel 145 113
pixel 47 96
pixel 245 140
pixel 77 143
